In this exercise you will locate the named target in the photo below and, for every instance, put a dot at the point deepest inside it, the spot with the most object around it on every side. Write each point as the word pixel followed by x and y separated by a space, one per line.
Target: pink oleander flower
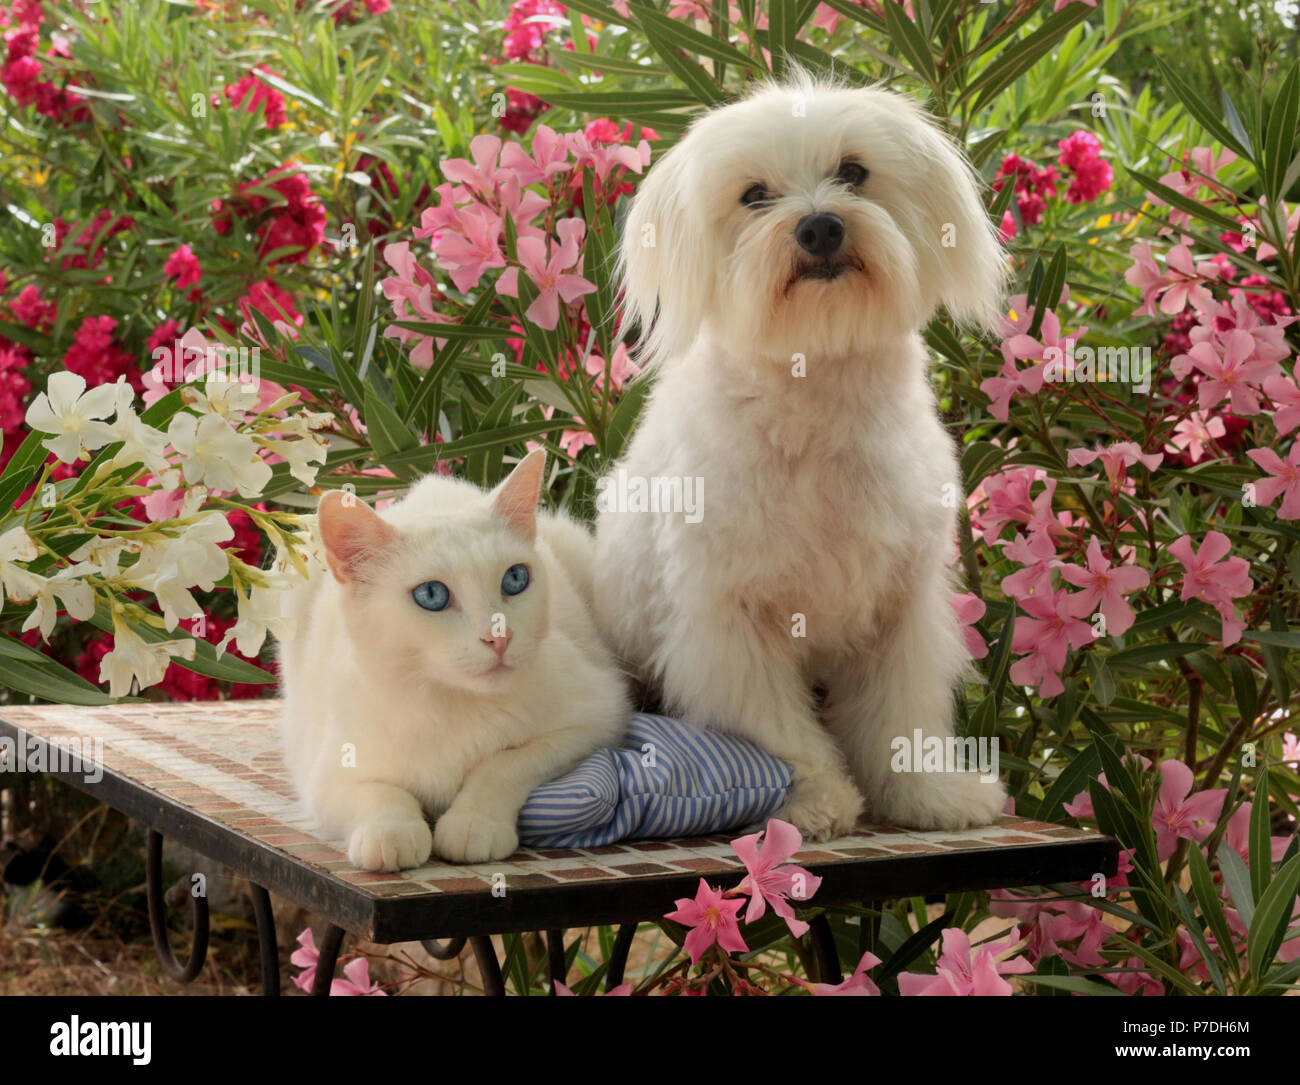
pixel 555 277
pixel 471 247
pixel 1061 4
pixel 164 505
pixel 306 957
pixel 1215 578
pixel 858 984
pixel 711 919
pixel 1236 834
pixel 1180 814
pixel 604 158
pixel 963 971
pixel 1266 250
pixel 1194 433
pixel 1048 354
pixel 621 367
pixel 1081 805
pixel 549 156
pixel 1285 480
pixel 969 609
pixel 1116 459
pixel 356 980
pixel 767 881
pixel 1291 749
pixel 1185 279
pixel 1008 500
pixel 1285 393
pixel 183 266
pixel 1104 589
pixel 1132 981
pixel 411 290
pixel 1145 274
pixel 1036 554
pixel 1047 635
pixel 1232 369
pixel 480 175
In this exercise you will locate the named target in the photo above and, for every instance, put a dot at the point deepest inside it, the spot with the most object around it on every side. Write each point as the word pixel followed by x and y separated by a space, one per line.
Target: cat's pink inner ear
pixel 515 500
pixel 353 534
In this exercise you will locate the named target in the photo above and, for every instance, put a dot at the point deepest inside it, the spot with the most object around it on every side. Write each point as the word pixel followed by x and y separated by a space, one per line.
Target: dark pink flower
pixel 183 266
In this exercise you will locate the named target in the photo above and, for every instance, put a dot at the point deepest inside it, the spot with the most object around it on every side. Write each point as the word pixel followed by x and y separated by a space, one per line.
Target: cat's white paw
pixel 823 804
pixel 390 843
pixel 474 836
pixel 941 800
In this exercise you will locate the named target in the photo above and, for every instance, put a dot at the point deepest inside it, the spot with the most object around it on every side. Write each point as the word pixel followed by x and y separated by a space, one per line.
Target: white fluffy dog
pixel 781 262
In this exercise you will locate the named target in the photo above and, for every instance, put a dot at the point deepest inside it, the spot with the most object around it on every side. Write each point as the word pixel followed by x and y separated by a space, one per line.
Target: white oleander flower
pixel 141 442
pixel 214 453
pixel 76 595
pixel 265 609
pixel 20 585
pixel 133 659
pixel 222 395
pixel 300 452
pixel 105 553
pixel 172 567
pixel 62 409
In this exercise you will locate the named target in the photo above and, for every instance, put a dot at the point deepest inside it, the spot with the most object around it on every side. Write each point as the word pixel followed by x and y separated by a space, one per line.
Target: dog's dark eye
pixel 852 173
pixel 755 194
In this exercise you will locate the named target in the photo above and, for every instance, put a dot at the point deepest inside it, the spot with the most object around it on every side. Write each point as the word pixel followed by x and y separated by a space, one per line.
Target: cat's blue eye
pixel 432 595
pixel 515 580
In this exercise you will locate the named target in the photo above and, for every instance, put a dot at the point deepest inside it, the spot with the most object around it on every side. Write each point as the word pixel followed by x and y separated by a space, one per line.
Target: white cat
pixel 448 665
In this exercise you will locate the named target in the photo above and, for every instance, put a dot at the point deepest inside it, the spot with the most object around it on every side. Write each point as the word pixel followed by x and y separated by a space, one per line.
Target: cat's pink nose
pixel 498 644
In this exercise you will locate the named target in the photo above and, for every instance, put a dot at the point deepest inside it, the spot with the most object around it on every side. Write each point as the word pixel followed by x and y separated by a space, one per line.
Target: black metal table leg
pixel 267 944
pixel 618 955
pixel 555 953
pixel 440 952
pixel 183 973
pixel 326 960
pixel 828 958
pixel 488 966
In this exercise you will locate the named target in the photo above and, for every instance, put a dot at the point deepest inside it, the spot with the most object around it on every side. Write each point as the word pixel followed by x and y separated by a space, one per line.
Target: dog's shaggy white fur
pixel 793 382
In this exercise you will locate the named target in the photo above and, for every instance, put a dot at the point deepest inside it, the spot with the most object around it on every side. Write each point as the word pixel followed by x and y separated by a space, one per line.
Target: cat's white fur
pixel 392 711
pixel 830 486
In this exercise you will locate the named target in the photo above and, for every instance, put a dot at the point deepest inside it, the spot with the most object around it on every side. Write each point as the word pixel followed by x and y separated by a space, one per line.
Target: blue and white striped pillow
pixel 668 779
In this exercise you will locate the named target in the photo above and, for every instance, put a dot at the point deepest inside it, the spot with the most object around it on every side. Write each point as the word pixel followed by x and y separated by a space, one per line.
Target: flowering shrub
pixel 419 248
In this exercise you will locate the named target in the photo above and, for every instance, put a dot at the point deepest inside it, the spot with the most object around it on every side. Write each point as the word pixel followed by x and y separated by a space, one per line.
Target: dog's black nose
pixel 821 234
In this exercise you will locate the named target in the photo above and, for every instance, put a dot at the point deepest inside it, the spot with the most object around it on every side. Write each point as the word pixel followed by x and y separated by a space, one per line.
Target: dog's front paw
pixel 474 836
pixel 943 800
pixel 823 805
pixel 390 843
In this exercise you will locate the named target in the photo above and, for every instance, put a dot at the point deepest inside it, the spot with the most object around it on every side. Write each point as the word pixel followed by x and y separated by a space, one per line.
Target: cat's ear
pixel 353 534
pixel 515 500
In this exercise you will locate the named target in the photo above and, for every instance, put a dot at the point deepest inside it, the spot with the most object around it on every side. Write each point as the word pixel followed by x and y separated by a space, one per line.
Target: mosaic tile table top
pixel 211 776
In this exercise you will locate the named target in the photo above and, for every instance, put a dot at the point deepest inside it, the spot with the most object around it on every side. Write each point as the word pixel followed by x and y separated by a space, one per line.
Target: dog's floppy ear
pixel 962 256
pixel 663 262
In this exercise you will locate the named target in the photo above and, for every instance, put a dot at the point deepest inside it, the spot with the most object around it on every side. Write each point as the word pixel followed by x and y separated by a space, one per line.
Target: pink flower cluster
pixel 1090 174
pixel 294 221
pixel 1053 621
pixel 23 74
pixel 466 227
pixel 1019 346
pixel 1180 812
pixel 1079 158
pixel 527 25
pixel 251 94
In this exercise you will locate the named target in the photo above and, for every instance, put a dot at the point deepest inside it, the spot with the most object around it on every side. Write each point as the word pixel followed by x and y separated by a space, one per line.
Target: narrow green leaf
pixel 1269 925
